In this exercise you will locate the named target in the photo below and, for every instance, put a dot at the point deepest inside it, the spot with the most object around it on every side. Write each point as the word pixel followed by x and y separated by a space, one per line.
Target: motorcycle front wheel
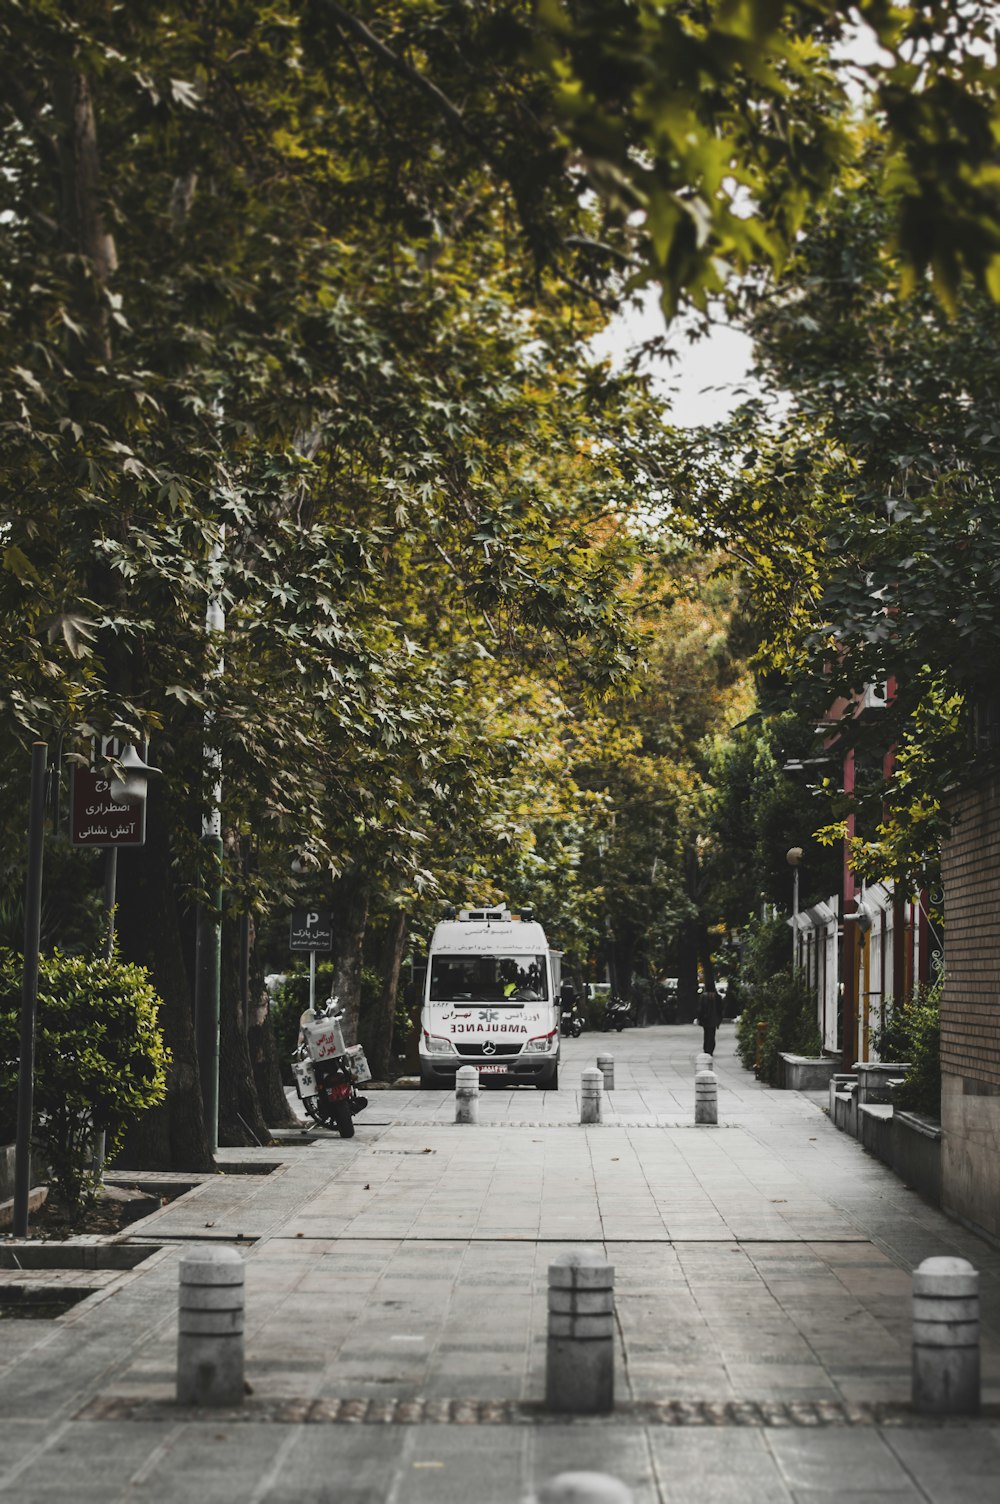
pixel 342 1118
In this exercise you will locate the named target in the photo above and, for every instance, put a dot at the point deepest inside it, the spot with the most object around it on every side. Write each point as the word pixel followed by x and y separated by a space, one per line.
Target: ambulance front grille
pixel 477 1050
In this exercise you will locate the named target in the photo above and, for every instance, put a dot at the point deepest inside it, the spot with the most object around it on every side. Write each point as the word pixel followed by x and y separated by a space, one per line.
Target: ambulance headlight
pixel 434 1044
pixel 541 1044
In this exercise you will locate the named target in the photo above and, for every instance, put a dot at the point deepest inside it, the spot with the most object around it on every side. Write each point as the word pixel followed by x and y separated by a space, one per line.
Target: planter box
pixel 840 1082
pixel 908 1143
pixel 8 1156
pixel 873 1080
pixel 916 1153
pixel 875 1130
pixel 806 1072
pixel 37 1197
pixel 844 1109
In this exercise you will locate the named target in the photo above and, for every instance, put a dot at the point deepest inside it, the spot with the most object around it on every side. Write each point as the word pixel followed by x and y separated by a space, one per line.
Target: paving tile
pixel 724 1467
pixel 951 1465
pixel 831 1458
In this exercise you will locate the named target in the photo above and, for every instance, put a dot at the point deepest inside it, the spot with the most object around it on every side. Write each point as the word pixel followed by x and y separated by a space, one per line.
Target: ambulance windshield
pixel 488 979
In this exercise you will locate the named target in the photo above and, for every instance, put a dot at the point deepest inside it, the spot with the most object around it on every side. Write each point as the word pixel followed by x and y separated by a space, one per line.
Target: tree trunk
pixel 413 1000
pixel 376 1025
pixel 350 916
pixel 81 208
pixel 622 965
pixel 241 1122
pixel 172 1136
pixel 687 972
pixel 263 1048
pixel 705 953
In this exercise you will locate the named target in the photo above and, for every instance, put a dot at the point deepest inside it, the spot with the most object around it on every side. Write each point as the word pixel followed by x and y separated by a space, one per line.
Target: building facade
pixel 970 1009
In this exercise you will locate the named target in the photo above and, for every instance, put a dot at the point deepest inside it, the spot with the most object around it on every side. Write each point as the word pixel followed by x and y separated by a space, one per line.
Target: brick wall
pixel 970 1010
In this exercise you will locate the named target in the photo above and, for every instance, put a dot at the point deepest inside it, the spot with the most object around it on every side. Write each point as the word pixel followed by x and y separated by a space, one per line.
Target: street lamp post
pixel 794 857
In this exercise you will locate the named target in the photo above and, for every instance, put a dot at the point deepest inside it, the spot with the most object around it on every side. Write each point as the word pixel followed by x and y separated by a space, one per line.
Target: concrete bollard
pixel 945 1337
pixel 702 1062
pixel 580 1356
pixel 591 1091
pixel 210 1328
pixel 706 1097
pixel 467 1094
pixel 583 1488
pixel 606 1066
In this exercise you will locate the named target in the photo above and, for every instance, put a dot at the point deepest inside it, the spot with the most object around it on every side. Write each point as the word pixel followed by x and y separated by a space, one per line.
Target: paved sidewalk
pixel 396 1295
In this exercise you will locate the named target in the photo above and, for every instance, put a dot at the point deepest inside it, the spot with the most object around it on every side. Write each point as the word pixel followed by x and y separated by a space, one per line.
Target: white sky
pixel 706 382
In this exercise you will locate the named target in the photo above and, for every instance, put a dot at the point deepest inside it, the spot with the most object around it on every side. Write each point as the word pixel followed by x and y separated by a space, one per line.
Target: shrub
pixel 100 1060
pixel 786 1007
pixel 774 997
pixel 890 1039
pixel 915 1030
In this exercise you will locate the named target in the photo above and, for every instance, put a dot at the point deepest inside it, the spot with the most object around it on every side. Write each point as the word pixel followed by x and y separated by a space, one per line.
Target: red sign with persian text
pixel 97 819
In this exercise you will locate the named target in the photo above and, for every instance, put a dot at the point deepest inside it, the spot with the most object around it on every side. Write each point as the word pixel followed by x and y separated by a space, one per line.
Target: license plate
pixel 493 1070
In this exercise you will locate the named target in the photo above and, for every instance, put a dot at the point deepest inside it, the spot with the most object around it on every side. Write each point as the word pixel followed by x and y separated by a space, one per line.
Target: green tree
pixel 100 1060
pixel 864 521
pixel 647 768
pixel 757 813
pixel 244 365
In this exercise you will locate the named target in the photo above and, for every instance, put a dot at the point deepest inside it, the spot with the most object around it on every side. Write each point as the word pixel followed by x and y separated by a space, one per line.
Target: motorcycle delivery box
pixel 491 1000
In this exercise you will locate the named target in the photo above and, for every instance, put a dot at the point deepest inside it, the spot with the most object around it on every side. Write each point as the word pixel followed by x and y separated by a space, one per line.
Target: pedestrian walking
pixel 709 1017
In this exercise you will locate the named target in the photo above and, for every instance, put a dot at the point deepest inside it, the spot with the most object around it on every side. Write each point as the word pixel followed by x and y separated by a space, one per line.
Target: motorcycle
pixel 570 1023
pixel 617 1013
pixel 327 1071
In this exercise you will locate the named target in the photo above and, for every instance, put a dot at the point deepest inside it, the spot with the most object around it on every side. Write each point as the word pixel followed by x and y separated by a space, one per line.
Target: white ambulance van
pixel 491 999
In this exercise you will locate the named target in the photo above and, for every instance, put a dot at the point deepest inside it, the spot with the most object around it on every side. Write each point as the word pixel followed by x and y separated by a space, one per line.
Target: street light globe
pixel 131 778
pixel 794 856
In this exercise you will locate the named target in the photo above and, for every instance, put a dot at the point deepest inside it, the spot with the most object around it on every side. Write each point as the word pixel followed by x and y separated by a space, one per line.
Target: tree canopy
pixel 862 512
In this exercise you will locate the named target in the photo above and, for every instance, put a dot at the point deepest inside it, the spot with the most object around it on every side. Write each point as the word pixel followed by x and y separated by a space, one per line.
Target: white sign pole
pixel 312 980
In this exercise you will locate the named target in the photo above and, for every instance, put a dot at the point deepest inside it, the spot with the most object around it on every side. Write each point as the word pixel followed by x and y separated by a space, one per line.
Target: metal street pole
pixel 794 857
pixel 29 988
pixel 208 937
pixel 110 898
pixel 207 980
